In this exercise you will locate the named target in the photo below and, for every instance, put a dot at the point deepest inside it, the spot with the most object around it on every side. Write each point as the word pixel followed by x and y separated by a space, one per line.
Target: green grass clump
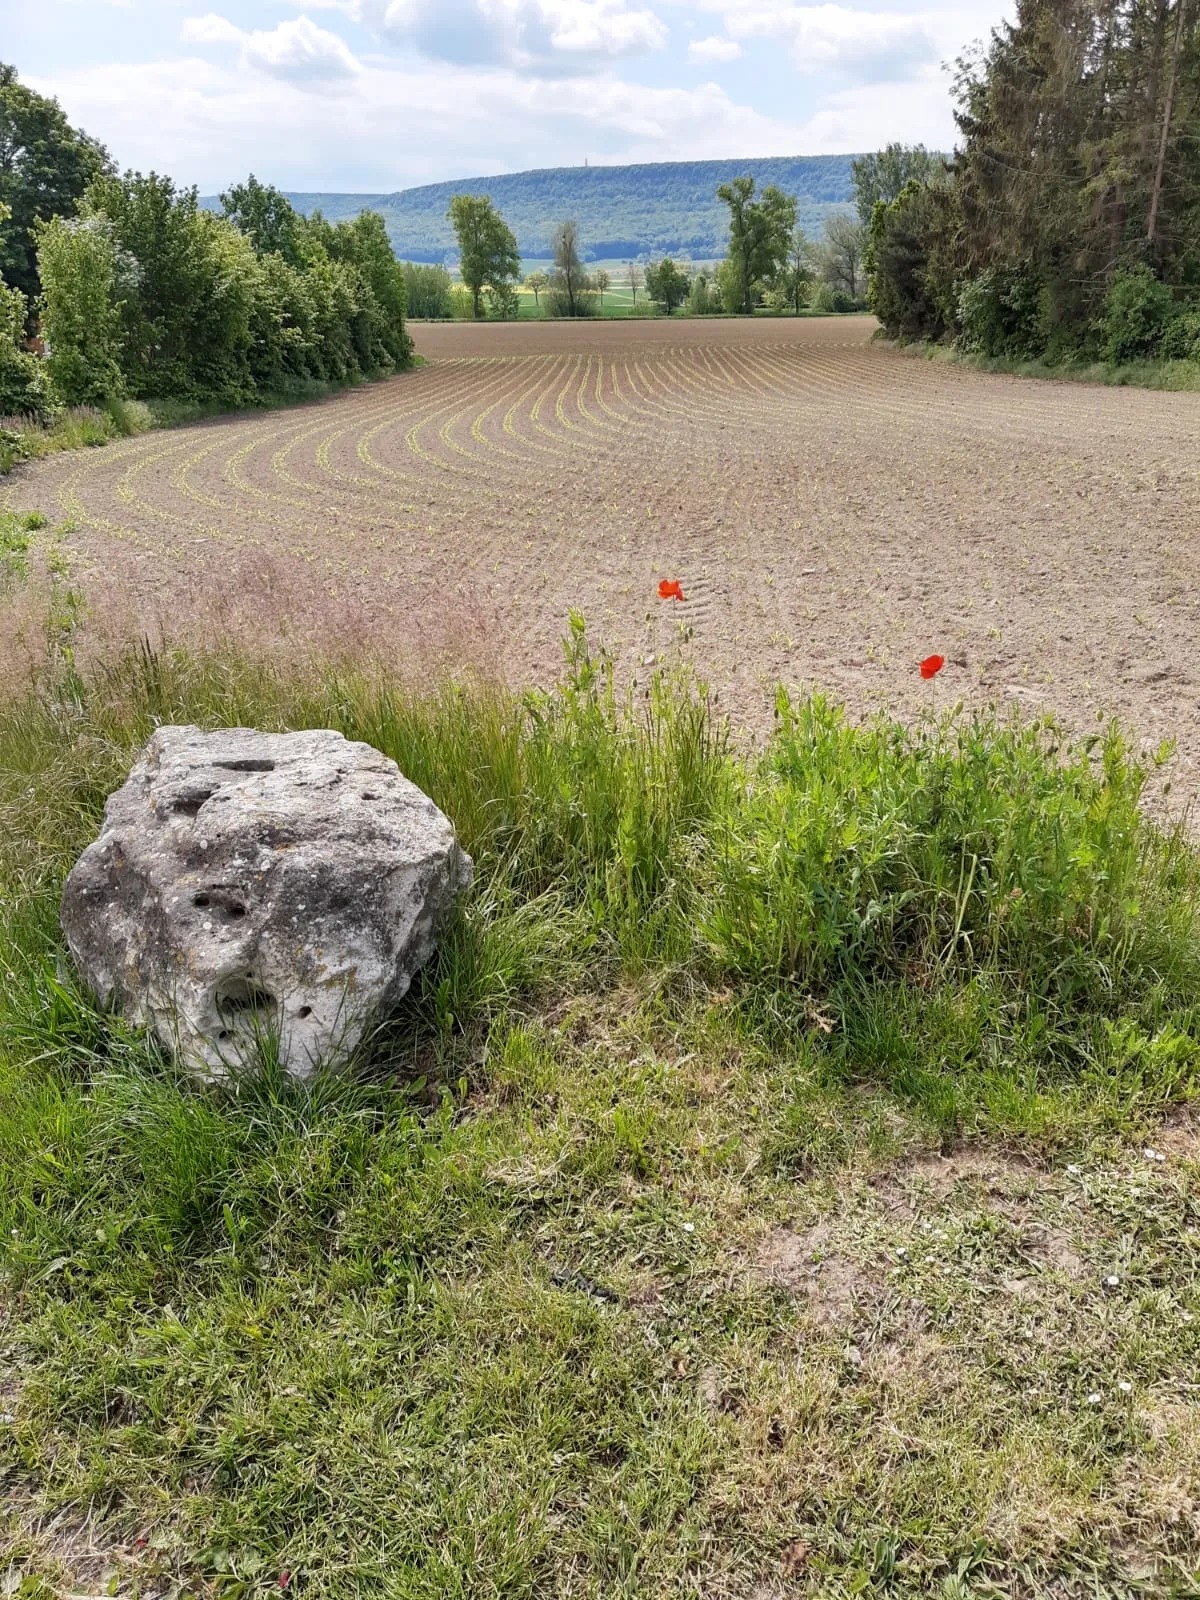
pixel 1177 376
pixel 624 1261
pixel 72 429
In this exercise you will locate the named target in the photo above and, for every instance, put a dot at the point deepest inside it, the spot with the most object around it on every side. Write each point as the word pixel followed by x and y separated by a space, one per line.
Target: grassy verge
pixel 1177 376
pixel 85 426
pixel 767 1190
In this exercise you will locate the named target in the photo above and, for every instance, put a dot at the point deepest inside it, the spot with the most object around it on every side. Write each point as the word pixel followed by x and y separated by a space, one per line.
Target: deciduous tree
pixel 845 247
pixel 882 175
pixel 667 283
pixel 569 282
pixel 487 248
pixel 796 274
pixel 45 168
pixel 759 233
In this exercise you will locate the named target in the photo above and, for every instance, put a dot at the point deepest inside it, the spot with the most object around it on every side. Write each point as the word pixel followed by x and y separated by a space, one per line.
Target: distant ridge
pixel 658 207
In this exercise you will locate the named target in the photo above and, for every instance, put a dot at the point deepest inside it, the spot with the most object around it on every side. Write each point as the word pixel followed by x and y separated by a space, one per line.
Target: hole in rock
pixel 242 997
pixel 304 1011
pixel 369 796
pixel 220 900
pixel 247 764
pixel 188 805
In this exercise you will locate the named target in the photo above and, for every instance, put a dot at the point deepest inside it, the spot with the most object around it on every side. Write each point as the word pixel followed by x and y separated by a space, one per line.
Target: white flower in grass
pixel 1093 1399
pixel 1125 1386
pixel 1111 1281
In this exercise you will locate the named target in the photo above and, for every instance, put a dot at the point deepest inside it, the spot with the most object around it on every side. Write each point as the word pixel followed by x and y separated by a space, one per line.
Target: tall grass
pixel 435 1326
pixel 968 856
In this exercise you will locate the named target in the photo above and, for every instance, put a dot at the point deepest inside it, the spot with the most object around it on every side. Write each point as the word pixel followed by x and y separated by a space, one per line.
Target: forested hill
pixel 668 206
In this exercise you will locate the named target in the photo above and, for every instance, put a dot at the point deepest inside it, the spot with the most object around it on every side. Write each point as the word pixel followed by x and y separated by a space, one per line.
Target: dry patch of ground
pixel 833 511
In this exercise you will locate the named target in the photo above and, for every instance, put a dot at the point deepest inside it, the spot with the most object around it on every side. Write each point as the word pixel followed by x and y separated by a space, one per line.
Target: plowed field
pixel 833 510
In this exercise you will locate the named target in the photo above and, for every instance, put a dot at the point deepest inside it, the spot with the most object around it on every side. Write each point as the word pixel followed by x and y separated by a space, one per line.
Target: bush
pixel 81 310
pixel 1000 312
pixel 1138 309
pixel 153 296
pixel 428 290
pixel 704 297
pixel 558 302
pixel 910 263
pixel 1181 337
pixel 22 381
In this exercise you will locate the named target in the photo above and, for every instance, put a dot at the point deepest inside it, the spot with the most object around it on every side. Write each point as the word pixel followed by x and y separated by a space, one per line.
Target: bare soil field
pixel 833 510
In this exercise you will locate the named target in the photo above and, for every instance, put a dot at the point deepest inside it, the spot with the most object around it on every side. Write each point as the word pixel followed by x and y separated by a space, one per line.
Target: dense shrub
pixel 428 290
pixel 81 310
pixel 150 295
pixel 1137 311
pixel 910 263
pixel 704 296
pixel 1000 312
pixel 22 383
pixel 1181 337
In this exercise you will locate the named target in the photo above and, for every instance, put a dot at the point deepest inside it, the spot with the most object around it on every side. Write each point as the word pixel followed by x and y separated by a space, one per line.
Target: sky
pixel 379 95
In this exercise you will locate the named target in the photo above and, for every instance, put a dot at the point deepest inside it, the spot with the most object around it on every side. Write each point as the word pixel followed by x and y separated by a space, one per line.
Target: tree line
pixel 770 263
pixel 124 286
pixel 1067 224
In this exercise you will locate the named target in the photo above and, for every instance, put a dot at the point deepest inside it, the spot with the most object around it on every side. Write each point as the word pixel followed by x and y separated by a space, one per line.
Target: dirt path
pixel 833 510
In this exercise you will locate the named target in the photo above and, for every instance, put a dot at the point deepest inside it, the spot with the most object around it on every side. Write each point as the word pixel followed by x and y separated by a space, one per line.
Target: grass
pixel 752 1200
pixel 89 426
pixel 1176 376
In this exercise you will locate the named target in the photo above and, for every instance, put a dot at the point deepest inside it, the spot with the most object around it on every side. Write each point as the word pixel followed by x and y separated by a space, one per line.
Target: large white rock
pixel 248 884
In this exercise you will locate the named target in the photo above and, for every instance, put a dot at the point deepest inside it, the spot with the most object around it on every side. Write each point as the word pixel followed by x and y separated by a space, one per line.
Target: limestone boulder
pixel 251 885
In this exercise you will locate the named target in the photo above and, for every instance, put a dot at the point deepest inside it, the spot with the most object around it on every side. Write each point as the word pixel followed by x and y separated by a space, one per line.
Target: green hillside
pixel 622 211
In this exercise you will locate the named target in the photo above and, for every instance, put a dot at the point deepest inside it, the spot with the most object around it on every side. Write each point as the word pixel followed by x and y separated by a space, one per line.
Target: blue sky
pixel 382 94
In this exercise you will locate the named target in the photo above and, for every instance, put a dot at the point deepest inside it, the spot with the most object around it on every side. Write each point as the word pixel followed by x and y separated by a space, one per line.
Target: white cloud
pixel 212 29
pixel 822 38
pixel 570 34
pixel 714 48
pixel 297 50
pixel 207 123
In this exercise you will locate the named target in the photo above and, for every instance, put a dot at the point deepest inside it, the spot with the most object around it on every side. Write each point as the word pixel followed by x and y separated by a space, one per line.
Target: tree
pixel 759 233
pixel 635 279
pixel 488 254
pixel 908 288
pixel 600 282
pixel 536 282
pixel 503 300
pixel 569 282
pixel 45 168
pixel 22 382
pixel 267 218
pixel 845 247
pixel 884 174
pixel 427 290
pixel 1075 176
pixel 795 275
pixel 666 283
pixel 81 308
pixel 703 295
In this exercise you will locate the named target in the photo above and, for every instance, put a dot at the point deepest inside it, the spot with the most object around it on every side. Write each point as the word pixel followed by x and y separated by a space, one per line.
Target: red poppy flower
pixel 669 589
pixel 284 1579
pixel 932 665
